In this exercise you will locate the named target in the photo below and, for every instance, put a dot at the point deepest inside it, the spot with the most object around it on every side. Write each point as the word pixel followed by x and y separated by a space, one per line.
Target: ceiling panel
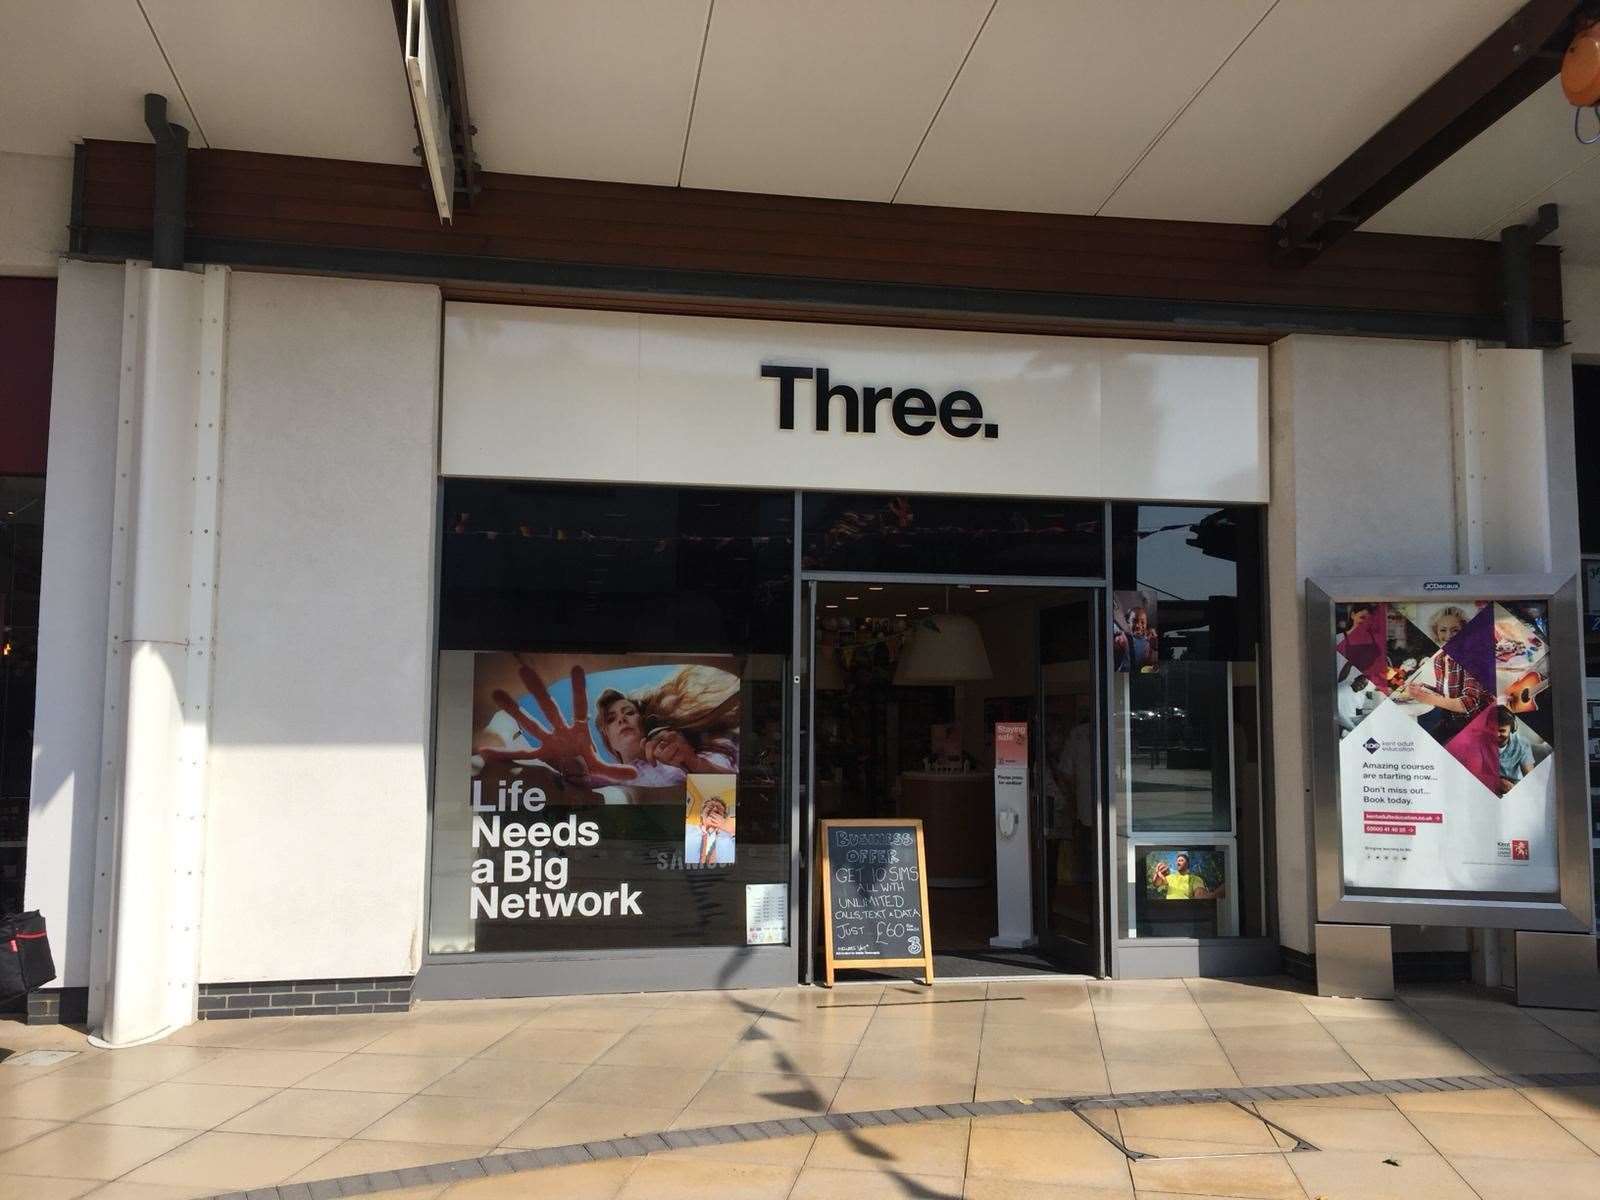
pixel 823 97
pixel 1057 101
pixel 293 76
pixel 1311 84
pixel 73 69
pixel 1478 190
pixel 590 89
pixel 1577 194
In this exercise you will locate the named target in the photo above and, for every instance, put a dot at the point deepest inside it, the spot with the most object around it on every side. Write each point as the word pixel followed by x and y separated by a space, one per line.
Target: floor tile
pixel 1383 1031
pixel 1366 1175
pixel 1261 1068
pixel 510 1079
pixel 16 1130
pixel 404 1073
pixel 830 1183
pixel 1580 1102
pixel 670 1177
pixel 541 1044
pixel 788 1152
pixel 1052 1148
pixel 587 1181
pixel 90 1151
pixel 174 1105
pixel 589 1016
pixel 1220 1125
pixel 233 1161
pixel 789 1057
pixel 1535 1062
pixel 811 1026
pixel 560 1122
pixel 441 1038
pixel 1382 1061
pixel 893 1062
pixel 1129 1045
pixel 1500 1101
pixel 453 1119
pixel 1332 1126
pixel 669 1047
pixel 31 1187
pixel 1259 1176
pixel 765 1096
pixel 1498 1136
pixel 150 1063
pixel 1156 1076
pixel 857 1095
pixel 334 1034
pixel 1585 1129
pixel 1525 1179
pixel 260 1068
pixel 54 1098
pixel 308 1112
pixel 122 1189
pixel 359 1156
pixel 650 1086
pixel 985 1188
pixel 936 1148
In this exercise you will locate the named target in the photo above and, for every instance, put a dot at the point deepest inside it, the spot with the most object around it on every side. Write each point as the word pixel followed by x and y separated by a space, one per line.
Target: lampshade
pixel 826 674
pixel 947 648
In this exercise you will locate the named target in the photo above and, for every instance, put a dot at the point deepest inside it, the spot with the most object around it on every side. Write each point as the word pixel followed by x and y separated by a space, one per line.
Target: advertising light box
pixel 1448 769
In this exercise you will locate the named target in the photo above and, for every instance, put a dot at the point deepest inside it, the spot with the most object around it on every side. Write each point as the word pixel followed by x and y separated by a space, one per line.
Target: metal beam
pixel 1503 70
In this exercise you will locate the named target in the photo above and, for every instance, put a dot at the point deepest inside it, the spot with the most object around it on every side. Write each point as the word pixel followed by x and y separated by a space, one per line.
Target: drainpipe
pixel 1516 274
pixel 172 158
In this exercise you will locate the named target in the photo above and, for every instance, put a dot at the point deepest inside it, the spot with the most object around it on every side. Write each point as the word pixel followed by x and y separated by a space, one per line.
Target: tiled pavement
pixel 235 1105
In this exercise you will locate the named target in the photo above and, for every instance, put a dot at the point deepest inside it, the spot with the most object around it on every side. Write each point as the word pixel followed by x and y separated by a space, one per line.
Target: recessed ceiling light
pixel 852 597
pixel 980 589
pixel 874 587
pixel 830 606
pixel 924 608
pixel 900 614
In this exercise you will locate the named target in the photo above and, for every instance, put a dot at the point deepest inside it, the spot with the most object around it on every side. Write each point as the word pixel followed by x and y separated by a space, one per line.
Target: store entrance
pixel 907 684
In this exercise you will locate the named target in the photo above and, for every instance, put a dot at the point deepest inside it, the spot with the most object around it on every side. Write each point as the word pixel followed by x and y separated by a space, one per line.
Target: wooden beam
pixel 684 249
pixel 1503 70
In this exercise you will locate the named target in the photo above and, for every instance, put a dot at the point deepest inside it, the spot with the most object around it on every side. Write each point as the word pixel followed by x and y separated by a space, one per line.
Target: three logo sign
pixel 913 411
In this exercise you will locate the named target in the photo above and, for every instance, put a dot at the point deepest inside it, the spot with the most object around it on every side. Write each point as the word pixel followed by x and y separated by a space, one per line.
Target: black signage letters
pixel 913 410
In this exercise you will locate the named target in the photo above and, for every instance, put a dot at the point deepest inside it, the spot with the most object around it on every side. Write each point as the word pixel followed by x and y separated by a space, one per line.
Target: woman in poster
pixel 687 723
pixel 1455 695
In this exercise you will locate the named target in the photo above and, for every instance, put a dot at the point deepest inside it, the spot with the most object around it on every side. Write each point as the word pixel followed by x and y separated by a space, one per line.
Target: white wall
pixel 1363 484
pixel 1580 299
pixel 316 824
pixel 36 203
pixel 73 605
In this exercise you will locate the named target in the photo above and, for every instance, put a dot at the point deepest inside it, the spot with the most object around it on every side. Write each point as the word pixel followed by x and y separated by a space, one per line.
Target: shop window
pixel 1186 772
pixel 953 535
pixel 21 547
pixel 611 747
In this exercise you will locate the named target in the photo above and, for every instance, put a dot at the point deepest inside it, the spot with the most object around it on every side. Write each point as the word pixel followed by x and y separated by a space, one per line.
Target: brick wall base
pixel 306 997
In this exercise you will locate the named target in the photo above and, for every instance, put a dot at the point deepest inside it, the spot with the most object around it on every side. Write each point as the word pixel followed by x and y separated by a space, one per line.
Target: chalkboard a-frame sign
pixel 874 896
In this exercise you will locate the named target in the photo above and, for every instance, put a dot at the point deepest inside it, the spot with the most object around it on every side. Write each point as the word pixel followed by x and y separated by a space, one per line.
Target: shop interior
pixel 909 683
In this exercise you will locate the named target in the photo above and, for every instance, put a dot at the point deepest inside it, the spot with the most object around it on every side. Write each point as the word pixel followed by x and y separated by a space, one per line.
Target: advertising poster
pixel 1186 874
pixel 1134 639
pixel 603 796
pixel 1446 762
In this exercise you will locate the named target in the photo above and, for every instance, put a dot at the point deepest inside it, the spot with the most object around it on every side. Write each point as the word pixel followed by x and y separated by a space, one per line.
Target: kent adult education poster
pixel 1446 752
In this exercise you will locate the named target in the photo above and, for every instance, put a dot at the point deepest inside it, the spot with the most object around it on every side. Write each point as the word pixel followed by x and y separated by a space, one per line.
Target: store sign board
pixel 1444 754
pixel 606 397
pixel 874 896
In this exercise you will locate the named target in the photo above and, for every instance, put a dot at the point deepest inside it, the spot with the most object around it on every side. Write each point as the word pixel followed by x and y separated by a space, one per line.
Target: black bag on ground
pixel 25 961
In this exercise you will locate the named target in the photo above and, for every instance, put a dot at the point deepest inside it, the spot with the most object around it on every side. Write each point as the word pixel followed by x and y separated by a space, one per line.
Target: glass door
pixel 1069 813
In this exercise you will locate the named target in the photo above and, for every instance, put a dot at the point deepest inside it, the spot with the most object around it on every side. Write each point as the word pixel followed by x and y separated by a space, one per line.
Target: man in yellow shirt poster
pixel 1177 881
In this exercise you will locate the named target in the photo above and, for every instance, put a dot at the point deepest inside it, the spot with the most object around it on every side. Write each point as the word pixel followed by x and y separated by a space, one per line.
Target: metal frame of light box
pixel 1572 912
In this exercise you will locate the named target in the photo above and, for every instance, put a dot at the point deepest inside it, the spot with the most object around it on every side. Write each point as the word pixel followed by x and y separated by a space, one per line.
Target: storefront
pixel 791 571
